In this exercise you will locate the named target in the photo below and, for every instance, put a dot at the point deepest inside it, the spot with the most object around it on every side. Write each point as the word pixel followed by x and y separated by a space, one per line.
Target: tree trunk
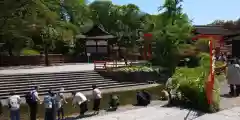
pixel 10 49
pixel 46 54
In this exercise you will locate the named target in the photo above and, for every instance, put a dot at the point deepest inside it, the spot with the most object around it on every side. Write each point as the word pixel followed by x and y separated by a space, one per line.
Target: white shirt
pixel 97 94
pixel 14 102
pixel 79 98
pixel 59 99
pixel 35 93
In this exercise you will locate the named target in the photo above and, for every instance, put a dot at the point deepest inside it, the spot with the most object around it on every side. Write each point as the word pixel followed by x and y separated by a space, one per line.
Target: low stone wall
pixel 38 60
pixel 133 76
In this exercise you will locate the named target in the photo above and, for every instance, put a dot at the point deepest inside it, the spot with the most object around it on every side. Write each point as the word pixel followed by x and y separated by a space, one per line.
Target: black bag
pixel 30 98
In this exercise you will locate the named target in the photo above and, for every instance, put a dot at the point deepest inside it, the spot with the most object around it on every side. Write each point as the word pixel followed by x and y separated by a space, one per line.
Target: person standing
pixel 233 77
pixel 14 106
pixel 32 100
pixel 97 96
pixel 80 100
pixel 60 100
pixel 49 106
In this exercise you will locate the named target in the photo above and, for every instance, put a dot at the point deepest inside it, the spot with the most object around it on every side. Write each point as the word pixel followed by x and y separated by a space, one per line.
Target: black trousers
pixel 49 114
pixel 83 108
pixel 33 111
pixel 96 104
pixel 60 111
pixel 234 90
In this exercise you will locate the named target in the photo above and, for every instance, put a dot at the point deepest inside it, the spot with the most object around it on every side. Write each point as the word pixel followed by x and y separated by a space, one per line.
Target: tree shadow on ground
pixel 192 113
pixel 227 96
pixel 79 117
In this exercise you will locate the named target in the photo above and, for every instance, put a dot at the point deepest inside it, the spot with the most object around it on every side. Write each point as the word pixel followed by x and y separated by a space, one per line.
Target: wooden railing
pixel 104 65
pixel 100 65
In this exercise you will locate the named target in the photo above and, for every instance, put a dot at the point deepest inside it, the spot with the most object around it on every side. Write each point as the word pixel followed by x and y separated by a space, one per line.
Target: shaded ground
pixel 121 109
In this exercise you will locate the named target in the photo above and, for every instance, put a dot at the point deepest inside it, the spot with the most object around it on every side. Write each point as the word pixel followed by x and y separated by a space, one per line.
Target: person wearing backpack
pixel 32 100
pixel 14 106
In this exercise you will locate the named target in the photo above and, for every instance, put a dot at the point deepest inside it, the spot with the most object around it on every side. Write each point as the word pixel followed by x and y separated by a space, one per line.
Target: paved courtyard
pixel 58 68
pixel 162 113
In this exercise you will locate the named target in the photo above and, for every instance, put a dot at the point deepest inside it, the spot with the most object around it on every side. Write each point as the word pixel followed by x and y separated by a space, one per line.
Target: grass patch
pixel 126 97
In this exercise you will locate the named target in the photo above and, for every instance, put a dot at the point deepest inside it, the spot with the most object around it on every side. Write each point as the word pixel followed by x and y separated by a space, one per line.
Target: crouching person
pixel 143 98
pixel 80 100
pixel 114 102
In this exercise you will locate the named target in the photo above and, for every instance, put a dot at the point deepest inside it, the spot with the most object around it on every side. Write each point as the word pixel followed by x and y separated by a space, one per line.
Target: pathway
pixel 157 112
pixel 227 102
pixel 50 69
pixel 55 69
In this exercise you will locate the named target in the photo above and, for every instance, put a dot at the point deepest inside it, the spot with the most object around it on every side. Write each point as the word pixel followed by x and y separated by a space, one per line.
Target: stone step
pixel 57 83
pixel 76 88
pixel 51 81
pixel 28 88
pixel 49 73
pixel 27 76
pixel 21 80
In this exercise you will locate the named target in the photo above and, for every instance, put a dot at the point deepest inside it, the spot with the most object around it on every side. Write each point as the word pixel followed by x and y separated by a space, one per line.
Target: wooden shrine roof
pixel 96 32
pixel 212 30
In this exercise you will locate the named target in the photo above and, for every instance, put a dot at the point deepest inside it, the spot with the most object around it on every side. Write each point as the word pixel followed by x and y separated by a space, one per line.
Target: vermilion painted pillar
pixel 149 51
pixel 147 46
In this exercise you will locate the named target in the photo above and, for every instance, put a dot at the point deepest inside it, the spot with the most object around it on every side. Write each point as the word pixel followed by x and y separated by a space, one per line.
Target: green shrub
pixel 202 45
pixel 27 51
pixel 188 55
pixel 135 69
pixel 191 83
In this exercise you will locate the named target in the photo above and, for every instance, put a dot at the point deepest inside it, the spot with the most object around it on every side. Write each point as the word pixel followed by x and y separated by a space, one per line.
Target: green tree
pixel 125 22
pixel 170 28
pixel 49 35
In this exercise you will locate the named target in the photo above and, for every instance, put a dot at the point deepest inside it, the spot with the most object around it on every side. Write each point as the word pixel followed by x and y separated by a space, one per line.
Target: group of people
pixel 53 103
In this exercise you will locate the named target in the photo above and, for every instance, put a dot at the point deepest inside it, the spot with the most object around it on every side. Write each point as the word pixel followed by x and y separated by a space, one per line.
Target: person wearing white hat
pixel 60 100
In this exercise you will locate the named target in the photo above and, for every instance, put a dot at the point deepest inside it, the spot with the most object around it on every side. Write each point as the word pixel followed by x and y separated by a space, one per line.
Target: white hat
pixel 61 89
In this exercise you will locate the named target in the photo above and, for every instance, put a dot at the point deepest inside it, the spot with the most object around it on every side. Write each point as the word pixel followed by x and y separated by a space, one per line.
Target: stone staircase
pixel 79 81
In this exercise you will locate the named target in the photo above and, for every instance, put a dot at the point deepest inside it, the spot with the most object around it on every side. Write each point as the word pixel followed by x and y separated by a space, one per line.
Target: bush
pixel 202 45
pixel 27 51
pixel 191 83
pixel 188 55
pixel 134 69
